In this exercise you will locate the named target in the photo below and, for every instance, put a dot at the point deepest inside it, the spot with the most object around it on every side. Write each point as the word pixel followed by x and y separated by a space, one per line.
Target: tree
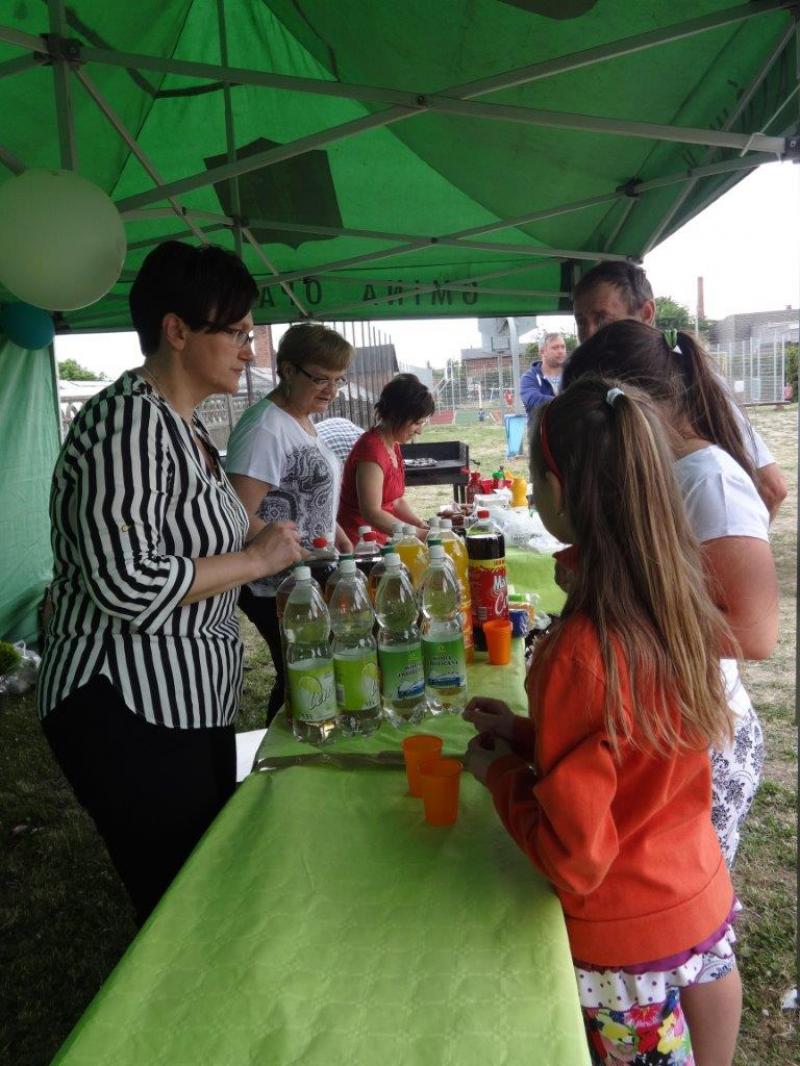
pixel 70 370
pixel 672 315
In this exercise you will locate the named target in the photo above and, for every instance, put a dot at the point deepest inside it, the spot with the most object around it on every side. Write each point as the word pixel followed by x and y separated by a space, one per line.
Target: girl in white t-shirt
pixel 282 470
pixel 713 468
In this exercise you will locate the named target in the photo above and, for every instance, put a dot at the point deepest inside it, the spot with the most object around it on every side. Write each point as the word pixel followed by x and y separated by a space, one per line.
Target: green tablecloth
pixel 322 922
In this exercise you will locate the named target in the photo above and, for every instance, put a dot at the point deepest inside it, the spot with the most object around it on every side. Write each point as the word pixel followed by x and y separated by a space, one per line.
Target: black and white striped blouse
pixel 132 504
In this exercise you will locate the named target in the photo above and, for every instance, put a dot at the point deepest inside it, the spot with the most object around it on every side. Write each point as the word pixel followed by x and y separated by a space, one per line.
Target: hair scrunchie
pixel 613 395
pixel 671 337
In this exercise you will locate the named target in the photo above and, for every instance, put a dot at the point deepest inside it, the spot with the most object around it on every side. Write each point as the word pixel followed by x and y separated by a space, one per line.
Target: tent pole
pixel 797 661
pixel 747 96
pixel 615 49
pixel 16 66
pixel 51 348
pixel 515 249
pixel 524 75
pixel 614 126
pixel 264 159
pixel 230 148
pixel 117 123
pixel 10 161
pixel 268 264
pixel 734 165
pixel 63 93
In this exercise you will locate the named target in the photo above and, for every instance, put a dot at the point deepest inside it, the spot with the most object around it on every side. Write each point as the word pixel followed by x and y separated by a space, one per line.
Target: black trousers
pixel 263 613
pixel 151 791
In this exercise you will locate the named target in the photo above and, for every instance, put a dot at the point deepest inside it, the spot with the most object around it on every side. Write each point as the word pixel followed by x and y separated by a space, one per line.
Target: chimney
pixel 264 352
pixel 701 303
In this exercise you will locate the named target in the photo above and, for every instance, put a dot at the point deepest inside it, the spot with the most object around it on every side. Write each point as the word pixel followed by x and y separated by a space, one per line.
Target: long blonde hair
pixel 640 579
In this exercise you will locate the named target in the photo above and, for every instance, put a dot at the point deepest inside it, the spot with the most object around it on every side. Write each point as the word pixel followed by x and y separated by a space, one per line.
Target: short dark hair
pixel 627 278
pixel 404 399
pixel 312 342
pixel 200 285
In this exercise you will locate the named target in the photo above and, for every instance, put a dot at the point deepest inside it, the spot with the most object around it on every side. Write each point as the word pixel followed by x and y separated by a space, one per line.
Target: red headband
pixel 549 458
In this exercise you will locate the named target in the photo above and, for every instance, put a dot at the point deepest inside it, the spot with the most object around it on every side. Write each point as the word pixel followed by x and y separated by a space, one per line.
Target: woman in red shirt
pixel 374 481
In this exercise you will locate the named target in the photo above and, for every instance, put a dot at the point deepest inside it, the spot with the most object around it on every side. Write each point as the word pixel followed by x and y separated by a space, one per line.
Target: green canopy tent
pixel 370 159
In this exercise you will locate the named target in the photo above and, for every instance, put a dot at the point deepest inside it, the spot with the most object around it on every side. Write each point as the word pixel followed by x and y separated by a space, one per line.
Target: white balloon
pixel 62 241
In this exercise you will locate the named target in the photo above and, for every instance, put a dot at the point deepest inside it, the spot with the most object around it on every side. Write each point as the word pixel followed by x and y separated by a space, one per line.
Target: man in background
pixel 617 290
pixel 542 380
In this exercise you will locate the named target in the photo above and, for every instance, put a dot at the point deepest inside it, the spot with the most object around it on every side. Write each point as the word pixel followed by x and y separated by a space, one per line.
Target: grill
pixel 446 464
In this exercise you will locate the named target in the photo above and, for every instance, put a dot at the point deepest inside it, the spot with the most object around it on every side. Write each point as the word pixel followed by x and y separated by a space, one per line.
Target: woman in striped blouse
pixel 142 666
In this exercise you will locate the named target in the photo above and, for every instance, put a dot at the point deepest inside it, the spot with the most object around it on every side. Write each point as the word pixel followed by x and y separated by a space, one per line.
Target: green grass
pixel 65 919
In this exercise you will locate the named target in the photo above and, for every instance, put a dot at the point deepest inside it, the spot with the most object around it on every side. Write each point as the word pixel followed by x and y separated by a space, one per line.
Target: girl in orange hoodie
pixel 607 784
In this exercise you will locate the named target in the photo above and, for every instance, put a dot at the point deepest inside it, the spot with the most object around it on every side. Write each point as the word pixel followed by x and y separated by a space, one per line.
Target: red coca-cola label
pixel 488 589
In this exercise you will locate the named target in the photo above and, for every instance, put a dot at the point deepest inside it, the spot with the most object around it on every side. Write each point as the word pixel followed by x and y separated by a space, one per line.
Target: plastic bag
pixel 23 676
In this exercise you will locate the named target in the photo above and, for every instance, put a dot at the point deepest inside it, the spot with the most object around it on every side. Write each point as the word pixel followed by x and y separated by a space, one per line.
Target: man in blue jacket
pixel 542 380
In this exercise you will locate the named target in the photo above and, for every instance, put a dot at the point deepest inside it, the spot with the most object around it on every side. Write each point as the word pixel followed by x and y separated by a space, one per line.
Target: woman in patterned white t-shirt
pixel 282 469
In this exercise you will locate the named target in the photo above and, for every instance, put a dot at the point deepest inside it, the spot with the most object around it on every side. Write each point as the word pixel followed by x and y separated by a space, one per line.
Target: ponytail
pixel 675 372
pixel 708 404
pixel 641 580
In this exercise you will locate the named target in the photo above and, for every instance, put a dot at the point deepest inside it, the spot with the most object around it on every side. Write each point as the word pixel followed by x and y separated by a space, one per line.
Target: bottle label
pixel 445 667
pixel 401 672
pixel 488 589
pixel 357 686
pixel 312 690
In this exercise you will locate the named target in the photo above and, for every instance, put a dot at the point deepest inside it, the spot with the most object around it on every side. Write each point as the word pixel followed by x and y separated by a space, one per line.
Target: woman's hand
pixel 490 717
pixel 481 752
pixel 274 548
pixel 342 542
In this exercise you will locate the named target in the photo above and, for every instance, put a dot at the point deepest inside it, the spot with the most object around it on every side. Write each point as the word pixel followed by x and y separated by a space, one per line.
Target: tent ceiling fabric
pixel 452 159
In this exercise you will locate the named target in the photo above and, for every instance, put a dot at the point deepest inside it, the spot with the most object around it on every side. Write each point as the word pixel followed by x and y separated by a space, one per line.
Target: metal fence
pixel 374 364
pixel 755 369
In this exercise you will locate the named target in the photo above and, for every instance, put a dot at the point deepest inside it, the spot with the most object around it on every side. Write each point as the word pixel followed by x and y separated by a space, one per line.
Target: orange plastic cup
pixel 440 779
pixel 418 748
pixel 498 640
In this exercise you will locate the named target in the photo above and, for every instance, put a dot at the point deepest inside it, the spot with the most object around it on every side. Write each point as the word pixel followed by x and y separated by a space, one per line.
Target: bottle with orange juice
pixel 413 554
pixel 456 550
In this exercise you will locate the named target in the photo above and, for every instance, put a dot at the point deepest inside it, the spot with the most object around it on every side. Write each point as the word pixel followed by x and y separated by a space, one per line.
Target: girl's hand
pixel 565 578
pixel 490 716
pixel 481 752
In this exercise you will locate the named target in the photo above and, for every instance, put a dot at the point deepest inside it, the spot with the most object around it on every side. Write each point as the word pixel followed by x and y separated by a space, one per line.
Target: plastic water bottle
pixel 378 570
pixel 414 555
pixel 355 660
pixel 399 646
pixel 309 662
pixel 456 550
pixel 442 638
pixel 341 569
pixel 284 590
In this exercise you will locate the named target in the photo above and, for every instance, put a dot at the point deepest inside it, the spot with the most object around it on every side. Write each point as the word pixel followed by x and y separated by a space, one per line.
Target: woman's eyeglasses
pixel 336 383
pixel 241 337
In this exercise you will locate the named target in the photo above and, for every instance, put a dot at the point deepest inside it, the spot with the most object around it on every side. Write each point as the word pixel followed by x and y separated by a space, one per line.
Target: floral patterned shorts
pixel 655 1035
pixel 736 772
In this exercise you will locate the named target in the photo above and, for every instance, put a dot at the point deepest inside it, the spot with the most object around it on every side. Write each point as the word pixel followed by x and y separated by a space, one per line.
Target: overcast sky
pixel 745 246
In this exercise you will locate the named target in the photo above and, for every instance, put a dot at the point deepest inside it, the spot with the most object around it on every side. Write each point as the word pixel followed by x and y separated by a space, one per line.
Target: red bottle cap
pixel 483 514
pixel 372 535
pixel 319 542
